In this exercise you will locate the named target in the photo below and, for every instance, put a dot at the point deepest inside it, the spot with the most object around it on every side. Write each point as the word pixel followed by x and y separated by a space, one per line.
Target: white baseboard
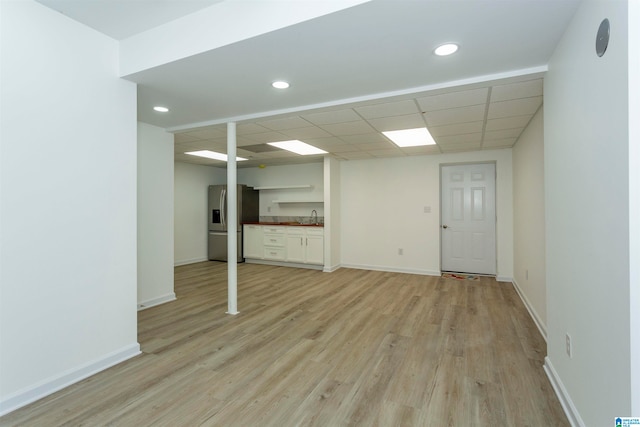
pixel 331 269
pixel 51 385
pixel 504 279
pixel 567 404
pixel 393 269
pixel 532 311
pixel 156 301
pixel 283 264
pixel 189 261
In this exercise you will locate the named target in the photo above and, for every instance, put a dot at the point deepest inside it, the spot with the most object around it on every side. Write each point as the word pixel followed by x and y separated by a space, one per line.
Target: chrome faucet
pixel 314 214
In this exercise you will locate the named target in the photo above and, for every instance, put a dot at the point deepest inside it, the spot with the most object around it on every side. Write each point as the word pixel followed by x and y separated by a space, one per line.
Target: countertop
pixel 290 224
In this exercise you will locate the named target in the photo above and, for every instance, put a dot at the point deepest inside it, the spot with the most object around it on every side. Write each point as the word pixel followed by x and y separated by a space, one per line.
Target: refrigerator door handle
pixel 223 207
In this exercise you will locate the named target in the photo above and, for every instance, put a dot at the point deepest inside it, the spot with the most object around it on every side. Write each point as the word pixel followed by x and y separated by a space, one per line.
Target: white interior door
pixel 468 218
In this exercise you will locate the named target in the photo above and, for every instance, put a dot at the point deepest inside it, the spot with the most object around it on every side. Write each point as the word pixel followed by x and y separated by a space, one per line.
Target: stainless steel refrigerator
pixel 248 211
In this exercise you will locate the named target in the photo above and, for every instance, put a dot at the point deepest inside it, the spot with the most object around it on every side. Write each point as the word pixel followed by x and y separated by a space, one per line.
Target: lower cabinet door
pixel 295 248
pixel 253 246
pixel 315 249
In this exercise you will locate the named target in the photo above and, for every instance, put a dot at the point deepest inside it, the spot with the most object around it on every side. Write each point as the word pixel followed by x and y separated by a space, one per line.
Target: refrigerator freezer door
pixel 218 246
pixel 216 208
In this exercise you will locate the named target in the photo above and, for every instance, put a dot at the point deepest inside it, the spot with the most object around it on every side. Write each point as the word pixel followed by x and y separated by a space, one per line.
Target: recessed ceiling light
pixel 212 155
pixel 410 137
pixel 280 84
pixel 446 49
pixel 161 109
pixel 298 147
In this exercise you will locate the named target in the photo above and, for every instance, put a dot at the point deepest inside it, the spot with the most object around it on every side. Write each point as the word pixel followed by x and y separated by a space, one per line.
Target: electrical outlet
pixel 268 208
pixel 568 345
pixel 400 251
pixel 427 209
pixel 526 274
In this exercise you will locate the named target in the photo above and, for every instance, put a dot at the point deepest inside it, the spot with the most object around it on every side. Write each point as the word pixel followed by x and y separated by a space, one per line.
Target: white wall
pixel 68 204
pixel 586 138
pixel 382 209
pixel 305 174
pixel 191 183
pixel 528 220
pixel 634 199
pixel 155 216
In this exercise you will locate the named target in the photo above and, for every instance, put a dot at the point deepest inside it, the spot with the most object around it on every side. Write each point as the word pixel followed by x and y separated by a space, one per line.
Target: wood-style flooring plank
pixel 348 348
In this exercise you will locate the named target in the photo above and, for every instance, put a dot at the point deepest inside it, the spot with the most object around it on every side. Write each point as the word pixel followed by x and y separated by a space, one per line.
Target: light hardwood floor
pixel 352 347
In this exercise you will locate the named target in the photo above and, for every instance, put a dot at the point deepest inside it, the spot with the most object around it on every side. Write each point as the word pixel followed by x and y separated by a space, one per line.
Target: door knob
pixel 445 226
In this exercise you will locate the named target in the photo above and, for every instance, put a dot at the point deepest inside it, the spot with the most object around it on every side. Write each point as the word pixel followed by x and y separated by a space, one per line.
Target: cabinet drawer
pixel 315 231
pixel 273 230
pixel 273 240
pixel 274 253
pixel 295 231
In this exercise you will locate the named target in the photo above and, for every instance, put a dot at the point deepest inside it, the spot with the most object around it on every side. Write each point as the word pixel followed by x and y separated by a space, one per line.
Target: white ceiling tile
pixel 210 133
pixel 331 117
pixel 517 90
pixel 294 122
pixel 327 140
pixel 459 147
pixel 339 147
pixel 425 149
pixel 508 123
pixel 456 129
pixel 501 134
pixel 387 153
pixel 454 99
pixel 306 133
pixel 249 128
pixel 514 107
pixel 375 146
pixel 499 143
pixel 455 115
pixel 195 146
pixel 267 137
pixel 364 138
pixel 459 139
pixel 409 121
pixel 398 108
pixel 348 128
pixel 355 155
pixel 183 137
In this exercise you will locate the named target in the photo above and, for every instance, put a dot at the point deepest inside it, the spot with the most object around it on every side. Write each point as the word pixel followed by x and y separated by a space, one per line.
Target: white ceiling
pixel 120 19
pixel 353 73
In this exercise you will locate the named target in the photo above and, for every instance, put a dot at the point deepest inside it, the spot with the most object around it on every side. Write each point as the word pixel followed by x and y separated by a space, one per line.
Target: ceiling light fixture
pixel 161 109
pixel 212 155
pixel 298 147
pixel 446 49
pixel 410 137
pixel 280 84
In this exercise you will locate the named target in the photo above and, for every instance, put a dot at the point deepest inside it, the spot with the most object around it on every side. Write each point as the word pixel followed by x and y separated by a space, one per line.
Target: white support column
pixel 232 226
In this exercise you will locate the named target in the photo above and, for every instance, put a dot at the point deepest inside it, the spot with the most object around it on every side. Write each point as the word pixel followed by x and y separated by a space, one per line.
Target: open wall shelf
pixel 283 187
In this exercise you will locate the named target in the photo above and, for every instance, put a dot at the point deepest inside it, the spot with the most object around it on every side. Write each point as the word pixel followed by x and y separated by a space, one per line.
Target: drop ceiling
pixel 353 73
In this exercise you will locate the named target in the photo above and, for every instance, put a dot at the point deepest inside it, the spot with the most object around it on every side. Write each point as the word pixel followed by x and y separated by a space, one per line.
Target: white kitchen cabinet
pixel 305 245
pixel 288 244
pixel 253 246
